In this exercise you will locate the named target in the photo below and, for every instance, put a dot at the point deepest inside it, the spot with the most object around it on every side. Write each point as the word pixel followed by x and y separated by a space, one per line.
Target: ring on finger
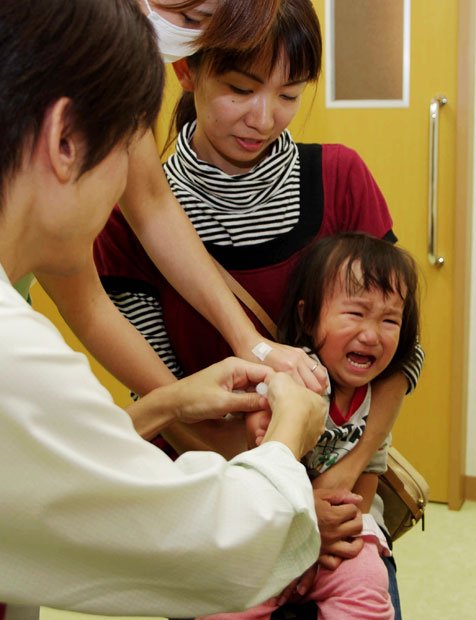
pixel 314 367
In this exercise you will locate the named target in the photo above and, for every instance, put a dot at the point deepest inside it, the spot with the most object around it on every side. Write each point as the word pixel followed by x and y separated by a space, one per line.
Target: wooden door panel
pixel 394 144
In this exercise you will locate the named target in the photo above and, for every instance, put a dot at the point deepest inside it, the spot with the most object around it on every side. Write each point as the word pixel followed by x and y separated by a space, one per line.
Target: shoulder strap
pixel 311 190
pixel 248 300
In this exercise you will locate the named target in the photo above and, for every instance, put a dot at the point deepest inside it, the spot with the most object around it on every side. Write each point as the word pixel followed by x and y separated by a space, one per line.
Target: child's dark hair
pixel 294 31
pixel 383 266
pixel 101 54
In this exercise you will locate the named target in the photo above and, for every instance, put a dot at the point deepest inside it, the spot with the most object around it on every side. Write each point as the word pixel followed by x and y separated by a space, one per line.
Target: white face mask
pixel 174 41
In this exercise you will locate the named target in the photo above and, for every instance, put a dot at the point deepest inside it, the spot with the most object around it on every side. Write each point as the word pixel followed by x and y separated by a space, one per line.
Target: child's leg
pixel 357 589
pixel 393 586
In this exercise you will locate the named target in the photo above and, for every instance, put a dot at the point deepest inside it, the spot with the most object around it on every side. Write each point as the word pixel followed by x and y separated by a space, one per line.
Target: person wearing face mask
pixel 165 232
pixel 93 518
pixel 175 41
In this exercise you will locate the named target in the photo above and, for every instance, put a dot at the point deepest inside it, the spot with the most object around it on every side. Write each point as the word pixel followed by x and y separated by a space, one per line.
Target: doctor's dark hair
pixel 383 266
pixel 101 54
pixel 295 32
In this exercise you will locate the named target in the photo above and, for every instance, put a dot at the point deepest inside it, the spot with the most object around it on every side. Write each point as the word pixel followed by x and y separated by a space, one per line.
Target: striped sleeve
pixel 144 312
pixel 412 369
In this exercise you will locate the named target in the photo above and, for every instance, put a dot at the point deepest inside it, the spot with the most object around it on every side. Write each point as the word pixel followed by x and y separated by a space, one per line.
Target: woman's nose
pixel 261 115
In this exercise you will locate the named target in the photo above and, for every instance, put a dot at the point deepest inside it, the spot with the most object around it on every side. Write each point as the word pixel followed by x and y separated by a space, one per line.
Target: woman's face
pixel 195 18
pixel 241 113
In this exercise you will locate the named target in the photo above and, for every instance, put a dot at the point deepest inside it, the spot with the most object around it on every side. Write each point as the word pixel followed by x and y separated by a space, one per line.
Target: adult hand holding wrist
pixel 339 520
pixel 293 361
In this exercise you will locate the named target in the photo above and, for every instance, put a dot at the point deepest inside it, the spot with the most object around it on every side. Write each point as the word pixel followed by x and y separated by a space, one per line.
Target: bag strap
pixel 248 300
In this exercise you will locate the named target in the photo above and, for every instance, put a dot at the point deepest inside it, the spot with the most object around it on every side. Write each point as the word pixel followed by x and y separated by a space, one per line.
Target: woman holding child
pixel 256 198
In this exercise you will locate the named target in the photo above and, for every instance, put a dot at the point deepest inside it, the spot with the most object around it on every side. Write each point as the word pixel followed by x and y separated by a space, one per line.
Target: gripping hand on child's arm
pixel 291 360
pixel 339 519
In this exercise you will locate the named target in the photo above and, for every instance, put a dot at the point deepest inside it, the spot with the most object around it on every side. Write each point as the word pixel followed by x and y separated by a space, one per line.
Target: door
pixel 394 142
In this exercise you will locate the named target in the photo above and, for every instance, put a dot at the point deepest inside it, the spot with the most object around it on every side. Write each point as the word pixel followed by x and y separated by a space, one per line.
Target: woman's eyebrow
pixel 258 78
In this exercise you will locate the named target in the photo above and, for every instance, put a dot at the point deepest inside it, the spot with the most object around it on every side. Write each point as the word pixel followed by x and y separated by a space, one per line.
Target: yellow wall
pixel 43 304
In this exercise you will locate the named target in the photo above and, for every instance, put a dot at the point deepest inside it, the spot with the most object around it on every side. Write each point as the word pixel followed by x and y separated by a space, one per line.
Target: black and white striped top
pixel 245 209
pixel 241 210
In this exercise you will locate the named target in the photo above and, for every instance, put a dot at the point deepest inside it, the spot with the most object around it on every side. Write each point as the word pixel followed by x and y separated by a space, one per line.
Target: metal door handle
pixel 433 256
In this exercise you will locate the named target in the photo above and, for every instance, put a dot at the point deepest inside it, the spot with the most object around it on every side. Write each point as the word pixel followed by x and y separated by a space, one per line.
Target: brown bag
pixel 402 488
pixel 404 492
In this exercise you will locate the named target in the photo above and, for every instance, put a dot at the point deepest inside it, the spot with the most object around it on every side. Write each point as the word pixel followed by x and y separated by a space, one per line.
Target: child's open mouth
pixel 358 360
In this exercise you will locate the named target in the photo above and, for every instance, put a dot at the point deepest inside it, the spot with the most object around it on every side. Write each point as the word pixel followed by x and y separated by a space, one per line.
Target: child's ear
pixel 184 75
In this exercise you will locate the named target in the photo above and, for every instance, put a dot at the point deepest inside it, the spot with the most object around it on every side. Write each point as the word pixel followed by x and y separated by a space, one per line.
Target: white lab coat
pixel 95 519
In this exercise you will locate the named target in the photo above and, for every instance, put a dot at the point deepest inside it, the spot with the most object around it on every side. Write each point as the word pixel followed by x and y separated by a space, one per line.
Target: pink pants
pixel 357 589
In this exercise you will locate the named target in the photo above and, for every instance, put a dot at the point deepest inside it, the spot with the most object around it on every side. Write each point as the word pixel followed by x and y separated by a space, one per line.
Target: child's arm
pixel 366 486
pixel 387 397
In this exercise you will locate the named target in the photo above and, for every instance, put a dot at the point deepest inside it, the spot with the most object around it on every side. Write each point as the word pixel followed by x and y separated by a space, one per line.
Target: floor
pixel 436 568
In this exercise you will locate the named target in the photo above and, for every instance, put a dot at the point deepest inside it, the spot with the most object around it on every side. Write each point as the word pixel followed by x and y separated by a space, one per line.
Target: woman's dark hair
pixel 235 24
pixel 101 54
pixel 382 265
pixel 295 31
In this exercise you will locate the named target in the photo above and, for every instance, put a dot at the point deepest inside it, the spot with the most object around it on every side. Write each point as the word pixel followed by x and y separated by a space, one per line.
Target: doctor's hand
pixel 296 414
pixel 225 387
